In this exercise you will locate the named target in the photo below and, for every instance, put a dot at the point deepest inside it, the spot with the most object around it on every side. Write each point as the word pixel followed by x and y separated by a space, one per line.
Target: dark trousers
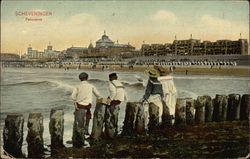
pixel 79 128
pixel 111 120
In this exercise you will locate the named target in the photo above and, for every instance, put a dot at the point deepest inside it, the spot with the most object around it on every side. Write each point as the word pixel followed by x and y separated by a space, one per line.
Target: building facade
pixel 105 47
pixel 156 49
pixel 48 53
pixel 196 47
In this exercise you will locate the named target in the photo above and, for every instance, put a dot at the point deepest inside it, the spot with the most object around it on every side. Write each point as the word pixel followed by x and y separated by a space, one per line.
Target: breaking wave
pixel 186 94
pixel 51 83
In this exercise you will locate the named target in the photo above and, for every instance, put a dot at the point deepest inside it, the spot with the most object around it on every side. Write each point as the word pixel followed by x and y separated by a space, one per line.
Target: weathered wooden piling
pixel 153 117
pixel 180 112
pixel 166 118
pixel 245 107
pixel 79 128
pixel 220 108
pixel 35 135
pixel 134 122
pixel 140 120
pixel 111 121
pixel 209 108
pixel 98 121
pixel 130 118
pixel 13 135
pixel 56 128
pixel 233 108
pixel 200 104
pixel 190 111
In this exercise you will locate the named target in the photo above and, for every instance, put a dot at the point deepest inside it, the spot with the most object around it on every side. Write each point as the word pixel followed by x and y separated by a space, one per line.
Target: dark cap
pixel 112 75
pixel 83 75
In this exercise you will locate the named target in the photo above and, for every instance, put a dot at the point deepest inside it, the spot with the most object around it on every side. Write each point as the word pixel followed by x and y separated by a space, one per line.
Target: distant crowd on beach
pixel 106 63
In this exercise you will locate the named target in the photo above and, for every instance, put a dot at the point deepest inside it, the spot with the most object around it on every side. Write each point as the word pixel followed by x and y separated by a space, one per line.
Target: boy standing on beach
pixel 117 95
pixel 82 96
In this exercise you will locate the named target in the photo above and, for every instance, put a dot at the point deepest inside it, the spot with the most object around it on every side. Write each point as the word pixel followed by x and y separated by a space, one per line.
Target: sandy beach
pixel 194 70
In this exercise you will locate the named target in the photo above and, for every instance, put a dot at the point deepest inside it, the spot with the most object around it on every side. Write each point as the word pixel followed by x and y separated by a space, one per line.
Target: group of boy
pixel 160 91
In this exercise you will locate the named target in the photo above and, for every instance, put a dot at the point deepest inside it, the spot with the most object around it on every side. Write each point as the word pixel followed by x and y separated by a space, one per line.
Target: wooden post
pixel 134 122
pixel 153 117
pixel 35 135
pixel 56 128
pixel 245 107
pixel 220 108
pixel 209 108
pixel 98 121
pixel 166 118
pixel 200 110
pixel 13 135
pixel 233 108
pixel 140 119
pixel 130 118
pixel 190 111
pixel 180 112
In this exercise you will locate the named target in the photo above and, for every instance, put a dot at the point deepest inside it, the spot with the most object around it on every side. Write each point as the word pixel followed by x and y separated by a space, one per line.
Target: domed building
pixel 104 42
pixel 105 47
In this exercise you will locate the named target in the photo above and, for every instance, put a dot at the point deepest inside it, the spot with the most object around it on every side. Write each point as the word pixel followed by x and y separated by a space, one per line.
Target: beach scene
pixel 207 55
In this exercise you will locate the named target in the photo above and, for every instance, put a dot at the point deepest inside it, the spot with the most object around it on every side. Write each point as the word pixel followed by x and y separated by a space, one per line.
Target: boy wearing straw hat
pixel 153 93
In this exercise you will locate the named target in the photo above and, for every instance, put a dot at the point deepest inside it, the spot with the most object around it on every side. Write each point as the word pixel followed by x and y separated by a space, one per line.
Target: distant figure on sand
pixel 169 94
pixel 117 96
pixel 82 97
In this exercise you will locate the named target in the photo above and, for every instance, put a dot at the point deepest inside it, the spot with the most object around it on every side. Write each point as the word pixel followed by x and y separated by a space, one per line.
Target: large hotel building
pixel 104 48
pixel 196 47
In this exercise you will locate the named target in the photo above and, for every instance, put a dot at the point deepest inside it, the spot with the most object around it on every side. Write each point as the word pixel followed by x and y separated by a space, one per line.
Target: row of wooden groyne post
pixel 189 111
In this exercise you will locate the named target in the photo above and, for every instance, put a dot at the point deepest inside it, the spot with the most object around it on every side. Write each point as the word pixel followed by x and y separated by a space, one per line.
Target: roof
pixel 105 38
pixel 90 46
pixel 123 45
pixel 78 48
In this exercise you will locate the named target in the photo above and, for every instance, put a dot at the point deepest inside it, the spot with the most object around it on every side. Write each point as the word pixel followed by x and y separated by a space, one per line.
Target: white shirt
pixel 117 91
pixel 83 93
pixel 167 84
pixel 169 91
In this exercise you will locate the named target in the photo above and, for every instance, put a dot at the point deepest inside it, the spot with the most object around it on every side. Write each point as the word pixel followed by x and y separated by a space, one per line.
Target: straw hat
pixel 162 71
pixel 152 72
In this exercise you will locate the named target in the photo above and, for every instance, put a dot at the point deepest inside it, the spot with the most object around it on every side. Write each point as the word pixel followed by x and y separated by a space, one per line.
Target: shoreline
pixel 238 71
pixel 191 70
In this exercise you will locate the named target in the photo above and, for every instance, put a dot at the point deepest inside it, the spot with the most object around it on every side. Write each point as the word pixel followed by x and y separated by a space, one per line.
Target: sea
pixel 28 90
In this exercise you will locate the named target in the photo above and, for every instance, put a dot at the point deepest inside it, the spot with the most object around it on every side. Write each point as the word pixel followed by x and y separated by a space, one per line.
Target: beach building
pixel 197 47
pixel 48 53
pixel 105 47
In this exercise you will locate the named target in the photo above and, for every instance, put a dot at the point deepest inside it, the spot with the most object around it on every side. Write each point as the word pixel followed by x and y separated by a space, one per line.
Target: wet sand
pixel 194 70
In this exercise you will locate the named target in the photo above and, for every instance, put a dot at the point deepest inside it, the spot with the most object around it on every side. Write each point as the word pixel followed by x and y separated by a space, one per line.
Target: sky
pixel 76 23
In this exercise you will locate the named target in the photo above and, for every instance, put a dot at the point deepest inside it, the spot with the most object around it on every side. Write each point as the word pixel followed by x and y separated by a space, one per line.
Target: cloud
pixel 214 21
pixel 165 16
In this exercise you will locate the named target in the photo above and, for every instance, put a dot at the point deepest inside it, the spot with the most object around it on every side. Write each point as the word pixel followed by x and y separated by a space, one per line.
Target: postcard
pixel 129 79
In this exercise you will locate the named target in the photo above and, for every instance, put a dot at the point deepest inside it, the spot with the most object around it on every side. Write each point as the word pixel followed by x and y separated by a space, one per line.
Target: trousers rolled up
pixel 111 120
pixel 79 128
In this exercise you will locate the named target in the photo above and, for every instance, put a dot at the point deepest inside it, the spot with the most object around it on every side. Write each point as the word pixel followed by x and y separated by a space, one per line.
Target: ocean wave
pixel 125 83
pixel 59 84
pixel 62 85
pixel 136 85
pixel 96 81
pixel 27 83
pixel 186 94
